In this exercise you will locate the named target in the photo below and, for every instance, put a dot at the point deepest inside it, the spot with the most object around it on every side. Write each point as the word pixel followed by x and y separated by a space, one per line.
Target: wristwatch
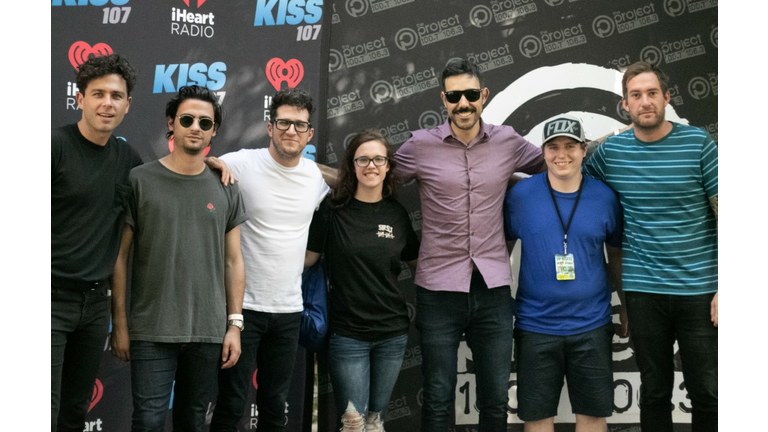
pixel 237 323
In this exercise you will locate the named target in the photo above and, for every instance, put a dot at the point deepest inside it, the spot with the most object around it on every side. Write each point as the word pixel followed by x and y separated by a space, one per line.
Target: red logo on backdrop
pixel 98 391
pixel 170 146
pixel 255 384
pixel 278 71
pixel 81 51
pixel 199 2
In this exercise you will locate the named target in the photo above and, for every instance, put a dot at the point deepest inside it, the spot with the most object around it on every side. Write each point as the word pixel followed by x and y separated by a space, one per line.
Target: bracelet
pixel 236 317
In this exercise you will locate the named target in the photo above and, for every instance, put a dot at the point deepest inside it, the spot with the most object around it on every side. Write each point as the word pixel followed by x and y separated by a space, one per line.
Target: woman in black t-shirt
pixel 365 234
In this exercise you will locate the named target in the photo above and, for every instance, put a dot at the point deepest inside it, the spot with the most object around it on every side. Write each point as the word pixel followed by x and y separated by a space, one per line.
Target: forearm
pixel 330 175
pixel 234 285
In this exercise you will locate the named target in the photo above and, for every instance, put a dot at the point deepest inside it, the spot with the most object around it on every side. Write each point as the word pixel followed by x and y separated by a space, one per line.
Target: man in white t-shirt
pixel 281 190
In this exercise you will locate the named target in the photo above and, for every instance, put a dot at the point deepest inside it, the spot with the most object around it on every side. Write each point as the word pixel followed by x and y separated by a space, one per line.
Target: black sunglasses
pixel 187 120
pixel 455 96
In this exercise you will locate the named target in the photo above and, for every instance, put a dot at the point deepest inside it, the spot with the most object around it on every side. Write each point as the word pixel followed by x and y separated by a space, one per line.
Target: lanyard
pixel 573 211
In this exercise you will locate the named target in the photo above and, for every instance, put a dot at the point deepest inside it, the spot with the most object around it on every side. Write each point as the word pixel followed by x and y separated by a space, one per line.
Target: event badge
pixel 564 267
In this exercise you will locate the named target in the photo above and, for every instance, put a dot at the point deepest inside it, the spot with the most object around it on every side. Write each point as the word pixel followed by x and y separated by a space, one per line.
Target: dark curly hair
pixel 293 97
pixel 97 67
pixel 460 66
pixel 193 92
pixel 346 186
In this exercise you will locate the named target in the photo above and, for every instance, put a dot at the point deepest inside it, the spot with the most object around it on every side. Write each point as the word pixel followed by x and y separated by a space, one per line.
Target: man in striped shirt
pixel 666 177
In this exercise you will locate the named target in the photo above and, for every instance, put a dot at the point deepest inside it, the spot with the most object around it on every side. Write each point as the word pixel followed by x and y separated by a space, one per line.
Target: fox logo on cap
pixel 563 125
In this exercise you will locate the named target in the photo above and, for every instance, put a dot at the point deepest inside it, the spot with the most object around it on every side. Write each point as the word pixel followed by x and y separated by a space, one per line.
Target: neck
pixel 568 185
pixel 466 135
pixel 368 195
pixel 96 137
pixel 655 134
pixel 184 164
pixel 288 162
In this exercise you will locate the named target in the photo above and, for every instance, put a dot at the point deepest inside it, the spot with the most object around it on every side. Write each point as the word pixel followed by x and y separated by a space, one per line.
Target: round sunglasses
pixel 187 120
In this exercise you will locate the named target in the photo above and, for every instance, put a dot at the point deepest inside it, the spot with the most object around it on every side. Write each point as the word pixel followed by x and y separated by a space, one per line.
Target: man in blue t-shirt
pixel 666 176
pixel 564 326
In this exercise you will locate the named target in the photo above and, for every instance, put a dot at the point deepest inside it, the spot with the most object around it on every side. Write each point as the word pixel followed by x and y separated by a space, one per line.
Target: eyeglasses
pixel 284 125
pixel 364 161
pixel 188 120
pixel 455 95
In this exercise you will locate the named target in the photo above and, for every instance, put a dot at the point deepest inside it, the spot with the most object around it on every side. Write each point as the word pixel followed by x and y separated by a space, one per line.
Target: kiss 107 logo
pixel 112 15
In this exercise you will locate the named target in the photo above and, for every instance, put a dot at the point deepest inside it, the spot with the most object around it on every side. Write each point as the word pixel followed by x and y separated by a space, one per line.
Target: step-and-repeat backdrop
pixel 540 58
pixel 243 50
pixel 376 63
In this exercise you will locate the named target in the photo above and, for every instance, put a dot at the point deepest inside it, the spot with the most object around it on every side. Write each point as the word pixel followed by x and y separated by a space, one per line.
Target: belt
pixel 78 285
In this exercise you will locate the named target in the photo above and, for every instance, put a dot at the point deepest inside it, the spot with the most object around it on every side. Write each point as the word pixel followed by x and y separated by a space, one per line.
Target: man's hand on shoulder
pixel 227 177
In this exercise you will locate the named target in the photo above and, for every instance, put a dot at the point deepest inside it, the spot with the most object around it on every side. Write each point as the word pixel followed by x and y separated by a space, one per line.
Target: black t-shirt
pixel 89 189
pixel 364 244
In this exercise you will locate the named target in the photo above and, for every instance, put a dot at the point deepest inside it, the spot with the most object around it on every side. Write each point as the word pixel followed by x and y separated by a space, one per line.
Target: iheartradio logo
pixel 98 392
pixel 199 2
pixel 278 71
pixel 80 51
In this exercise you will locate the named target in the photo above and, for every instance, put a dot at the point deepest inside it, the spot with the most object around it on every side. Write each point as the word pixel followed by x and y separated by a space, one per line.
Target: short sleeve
pixel 237 213
pixel 709 167
pixel 318 229
pixel 595 164
pixel 406 162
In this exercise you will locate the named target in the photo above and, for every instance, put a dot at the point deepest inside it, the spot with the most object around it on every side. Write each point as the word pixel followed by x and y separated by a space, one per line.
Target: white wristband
pixel 235 317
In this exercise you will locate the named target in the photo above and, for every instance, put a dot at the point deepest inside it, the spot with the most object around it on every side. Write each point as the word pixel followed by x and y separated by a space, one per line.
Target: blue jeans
pixel 79 327
pixel 655 322
pixel 364 373
pixel 269 344
pixel 486 316
pixel 155 366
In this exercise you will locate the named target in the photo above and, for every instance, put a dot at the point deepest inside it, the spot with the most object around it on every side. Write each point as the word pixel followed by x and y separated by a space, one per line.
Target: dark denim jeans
pixel 155 366
pixel 79 327
pixel 486 316
pixel 269 344
pixel 655 322
pixel 364 373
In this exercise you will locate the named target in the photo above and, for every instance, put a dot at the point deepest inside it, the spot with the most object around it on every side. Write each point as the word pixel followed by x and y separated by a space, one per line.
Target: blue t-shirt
pixel 545 304
pixel 670 237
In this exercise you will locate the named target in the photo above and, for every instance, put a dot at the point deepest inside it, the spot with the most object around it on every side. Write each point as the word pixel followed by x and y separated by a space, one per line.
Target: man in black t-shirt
pixel 89 186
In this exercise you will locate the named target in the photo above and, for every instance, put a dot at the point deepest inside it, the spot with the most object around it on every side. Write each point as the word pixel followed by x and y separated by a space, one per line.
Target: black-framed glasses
pixel 364 161
pixel 455 96
pixel 188 120
pixel 284 125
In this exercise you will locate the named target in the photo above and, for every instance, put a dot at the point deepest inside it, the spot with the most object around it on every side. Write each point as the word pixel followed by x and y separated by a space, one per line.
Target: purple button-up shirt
pixel 462 191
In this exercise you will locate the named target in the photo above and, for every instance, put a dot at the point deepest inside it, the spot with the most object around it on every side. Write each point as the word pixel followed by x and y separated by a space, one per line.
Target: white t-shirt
pixel 280 202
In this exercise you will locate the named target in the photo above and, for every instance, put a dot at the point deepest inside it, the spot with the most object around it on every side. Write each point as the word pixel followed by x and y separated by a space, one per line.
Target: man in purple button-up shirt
pixel 463 274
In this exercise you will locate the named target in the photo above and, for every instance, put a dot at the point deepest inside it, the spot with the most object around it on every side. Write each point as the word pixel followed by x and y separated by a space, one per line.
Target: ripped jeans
pixel 363 375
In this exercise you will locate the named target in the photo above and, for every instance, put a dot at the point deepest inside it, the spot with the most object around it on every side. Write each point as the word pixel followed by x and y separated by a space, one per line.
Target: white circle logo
pixel 674 8
pixel 382 91
pixel 530 46
pixel 335 61
pixel 480 16
pixel 406 39
pixel 356 8
pixel 603 26
pixel 698 87
pixel 651 54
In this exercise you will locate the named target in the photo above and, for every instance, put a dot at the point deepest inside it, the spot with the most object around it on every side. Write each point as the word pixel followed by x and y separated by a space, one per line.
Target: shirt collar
pixel 446 131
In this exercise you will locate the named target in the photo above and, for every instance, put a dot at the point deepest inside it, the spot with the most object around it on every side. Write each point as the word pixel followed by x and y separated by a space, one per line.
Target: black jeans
pixel 269 344
pixel 79 327
pixel 486 316
pixel 655 322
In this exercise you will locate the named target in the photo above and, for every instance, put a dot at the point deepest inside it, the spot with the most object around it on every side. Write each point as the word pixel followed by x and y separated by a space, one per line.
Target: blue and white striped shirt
pixel 670 229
